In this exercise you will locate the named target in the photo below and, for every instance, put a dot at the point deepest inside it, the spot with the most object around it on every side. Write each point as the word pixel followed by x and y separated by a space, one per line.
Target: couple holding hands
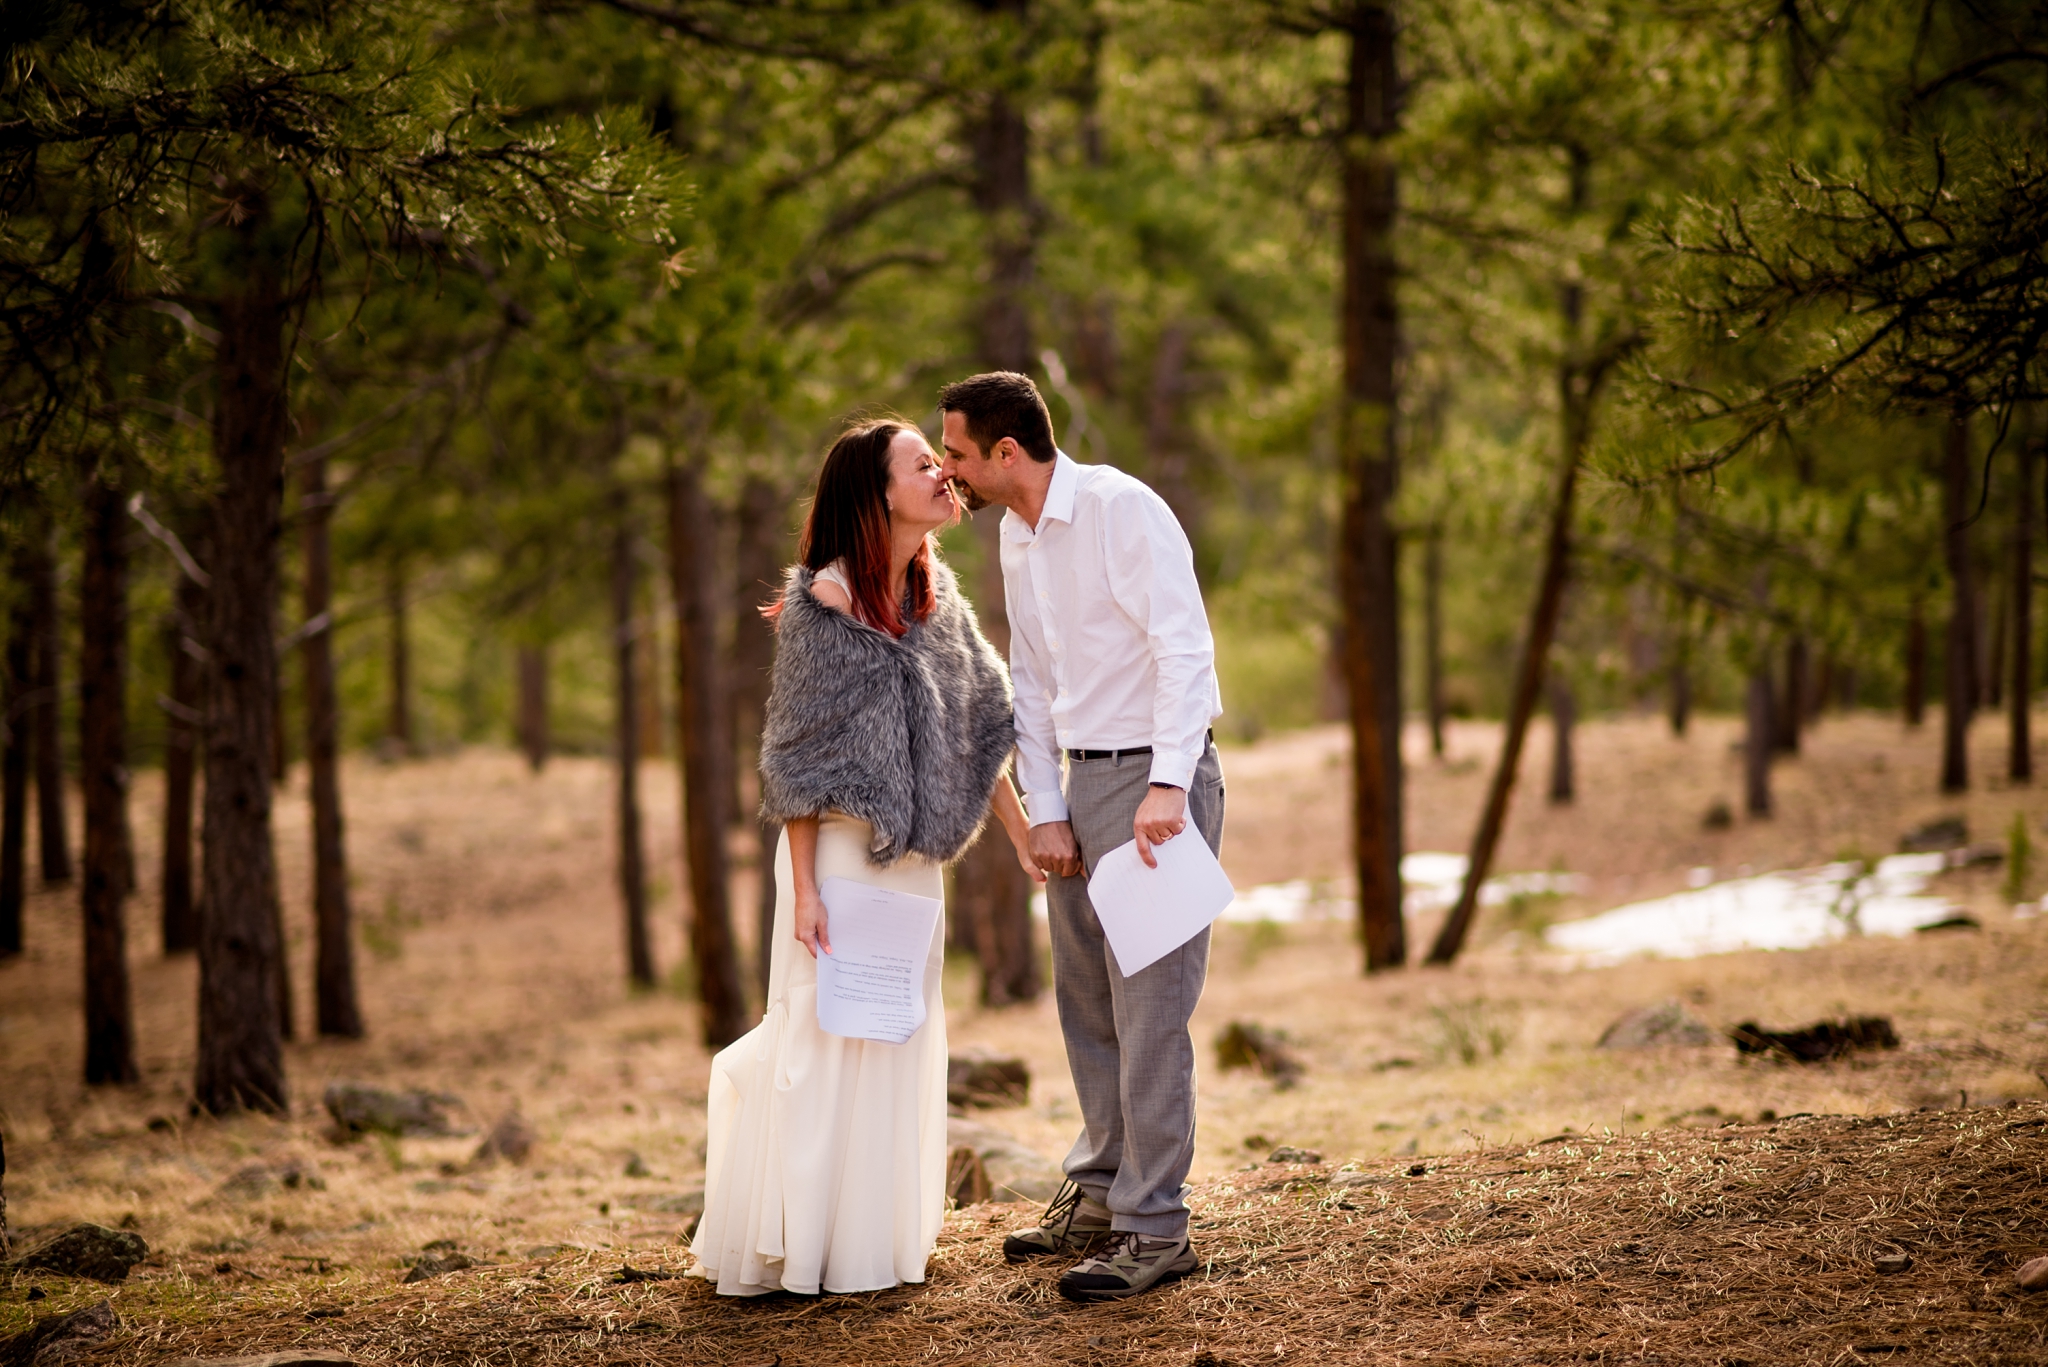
pixel 887 744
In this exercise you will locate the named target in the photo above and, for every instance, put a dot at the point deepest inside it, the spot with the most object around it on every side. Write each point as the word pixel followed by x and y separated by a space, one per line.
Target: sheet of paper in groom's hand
pixel 1149 913
pixel 871 986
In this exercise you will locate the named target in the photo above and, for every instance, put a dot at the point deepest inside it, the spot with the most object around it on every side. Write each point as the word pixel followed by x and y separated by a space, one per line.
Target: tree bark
pixel 1789 718
pixel 1960 681
pixel 705 746
pixel 14 767
pixel 241 958
pixel 1564 715
pixel 1681 681
pixel 632 859
pixel 1166 435
pixel 1759 738
pixel 991 894
pixel 334 975
pixel 1916 664
pixel 1433 635
pixel 2019 703
pixel 103 775
pixel 398 732
pixel 758 561
pixel 1367 551
pixel 1528 682
pixel 46 711
pixel 531 663
pixel 181 752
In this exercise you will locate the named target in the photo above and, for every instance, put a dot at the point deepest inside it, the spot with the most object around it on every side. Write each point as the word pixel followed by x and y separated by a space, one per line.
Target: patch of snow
pixel 1793 909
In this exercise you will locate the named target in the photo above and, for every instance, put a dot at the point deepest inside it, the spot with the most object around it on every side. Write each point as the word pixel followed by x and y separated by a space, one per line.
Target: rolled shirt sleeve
pixel 1152 575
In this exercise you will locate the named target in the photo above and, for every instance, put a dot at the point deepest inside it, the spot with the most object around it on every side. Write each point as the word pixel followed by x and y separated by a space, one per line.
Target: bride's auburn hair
pixel 849 520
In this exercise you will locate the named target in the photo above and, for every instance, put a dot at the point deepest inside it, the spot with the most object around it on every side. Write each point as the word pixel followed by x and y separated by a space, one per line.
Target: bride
pixel 887 737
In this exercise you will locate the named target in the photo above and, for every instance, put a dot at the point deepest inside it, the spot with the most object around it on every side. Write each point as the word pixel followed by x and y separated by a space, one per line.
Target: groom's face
pixel 975 477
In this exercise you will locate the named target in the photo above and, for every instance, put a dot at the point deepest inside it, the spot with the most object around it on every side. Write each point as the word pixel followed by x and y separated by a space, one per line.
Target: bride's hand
pixel 811 930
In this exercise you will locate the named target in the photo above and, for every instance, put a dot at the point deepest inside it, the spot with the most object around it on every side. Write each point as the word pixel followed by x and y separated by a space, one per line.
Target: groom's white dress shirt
pixel 1109 644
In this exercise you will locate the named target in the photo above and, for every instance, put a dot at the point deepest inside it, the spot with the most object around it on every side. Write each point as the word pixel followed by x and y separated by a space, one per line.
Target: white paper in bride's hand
pixel 1149 913
pixel 871 986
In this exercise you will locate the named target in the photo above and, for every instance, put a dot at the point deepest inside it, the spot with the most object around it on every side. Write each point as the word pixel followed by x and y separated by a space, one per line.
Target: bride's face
pixel 918 496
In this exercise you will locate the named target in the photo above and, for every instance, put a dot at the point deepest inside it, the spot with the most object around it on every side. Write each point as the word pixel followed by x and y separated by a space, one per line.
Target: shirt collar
pixel 1059 500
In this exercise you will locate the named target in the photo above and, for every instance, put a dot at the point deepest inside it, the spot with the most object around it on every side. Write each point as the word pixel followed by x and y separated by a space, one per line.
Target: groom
pixel 1112 662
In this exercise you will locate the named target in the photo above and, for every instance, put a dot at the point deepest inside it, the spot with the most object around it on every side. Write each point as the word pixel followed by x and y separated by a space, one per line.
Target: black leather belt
pixel 1087 756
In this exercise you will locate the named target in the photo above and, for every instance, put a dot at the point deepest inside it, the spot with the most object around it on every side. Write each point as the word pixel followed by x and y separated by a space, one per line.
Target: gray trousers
pixel 1127 1038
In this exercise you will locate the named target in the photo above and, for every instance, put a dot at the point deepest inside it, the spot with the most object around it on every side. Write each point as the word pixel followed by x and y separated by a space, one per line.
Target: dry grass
pixel 491 968
pixel 1749 1244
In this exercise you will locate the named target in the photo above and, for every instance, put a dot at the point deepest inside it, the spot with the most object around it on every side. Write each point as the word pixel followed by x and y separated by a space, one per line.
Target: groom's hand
pixel 1161 816
pixel 1053 848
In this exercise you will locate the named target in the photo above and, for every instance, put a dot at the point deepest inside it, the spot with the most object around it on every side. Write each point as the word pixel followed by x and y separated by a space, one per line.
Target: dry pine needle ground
pixel 1747 1244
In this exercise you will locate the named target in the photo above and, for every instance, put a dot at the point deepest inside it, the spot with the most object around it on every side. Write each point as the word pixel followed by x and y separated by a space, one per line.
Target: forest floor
pixel 1572 1203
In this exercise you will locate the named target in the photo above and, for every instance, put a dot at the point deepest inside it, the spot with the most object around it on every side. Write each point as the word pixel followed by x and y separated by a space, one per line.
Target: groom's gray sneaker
pixel 1128 1266
pixel 1074 1223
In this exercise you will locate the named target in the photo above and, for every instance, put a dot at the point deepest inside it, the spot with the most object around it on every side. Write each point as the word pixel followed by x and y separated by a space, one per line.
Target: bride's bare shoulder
pixel 832 596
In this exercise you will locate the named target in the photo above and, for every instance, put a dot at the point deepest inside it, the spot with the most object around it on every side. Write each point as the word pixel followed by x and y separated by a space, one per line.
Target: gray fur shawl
pixel 907 734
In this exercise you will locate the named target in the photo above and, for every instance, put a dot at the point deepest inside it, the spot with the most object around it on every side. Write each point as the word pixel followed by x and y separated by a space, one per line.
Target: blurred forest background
pixel 404 376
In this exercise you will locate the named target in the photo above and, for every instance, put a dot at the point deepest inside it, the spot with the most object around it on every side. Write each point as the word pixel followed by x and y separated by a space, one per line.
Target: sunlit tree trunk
pixel 758 561
pixel 46 712
pixel 1433 635
pixel 1959 694
pixel 1367 551
pixel 180 913
pixel 15 734
pixel 2020 754
pixel 705 747
pixel 103 780
pixel 992 895
pixel 1564 715
pixel 241 959
pixel 398 730
pixel 334 976
pixel 632 862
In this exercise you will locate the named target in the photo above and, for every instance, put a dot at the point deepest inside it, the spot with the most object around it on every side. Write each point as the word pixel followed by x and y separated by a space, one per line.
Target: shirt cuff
pixel 1045 808
pixel 1178 770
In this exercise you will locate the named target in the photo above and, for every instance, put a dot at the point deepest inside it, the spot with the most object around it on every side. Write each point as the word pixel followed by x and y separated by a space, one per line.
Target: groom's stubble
pixel 971 498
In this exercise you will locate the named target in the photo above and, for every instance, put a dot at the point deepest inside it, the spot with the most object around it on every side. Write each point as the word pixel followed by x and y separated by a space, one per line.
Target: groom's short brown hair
pixel 998 404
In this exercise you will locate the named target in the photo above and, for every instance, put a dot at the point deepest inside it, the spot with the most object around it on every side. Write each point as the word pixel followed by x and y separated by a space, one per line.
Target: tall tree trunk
pixel 181 753
pixel 1789 718
pixel 1681 681
pixel 531 662
pixel 1916 664
pixel 103 775
pixel 16 734
pixel 1564 715
pixel 280 741
pixel 241 958
pixel 334 973
pixel 1367 550
pixel 1759 738
pixel 1991 602
pixel 1960 682
pixel 1433 635
pixel 705 748
pixel 632 859
pixel 2020 755
pixel 758 561
pixel 47 710
pixel 991 894
pixel 1543 618
pixel 398 731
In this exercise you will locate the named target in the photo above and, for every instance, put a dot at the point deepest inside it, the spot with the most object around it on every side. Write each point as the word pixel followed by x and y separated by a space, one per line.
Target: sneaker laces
pixel 1060 1214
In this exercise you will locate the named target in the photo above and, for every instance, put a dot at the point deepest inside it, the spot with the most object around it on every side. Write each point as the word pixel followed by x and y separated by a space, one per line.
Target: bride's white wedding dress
pixel 826 1161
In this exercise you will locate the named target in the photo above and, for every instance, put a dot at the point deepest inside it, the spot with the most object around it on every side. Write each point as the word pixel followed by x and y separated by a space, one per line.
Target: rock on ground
pixel 1015 1173
pixel 511 1139
pixel 1652 1027
pixel 59 1339
pixel 358 1109
pixel 84 1250
pixel 978 1079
